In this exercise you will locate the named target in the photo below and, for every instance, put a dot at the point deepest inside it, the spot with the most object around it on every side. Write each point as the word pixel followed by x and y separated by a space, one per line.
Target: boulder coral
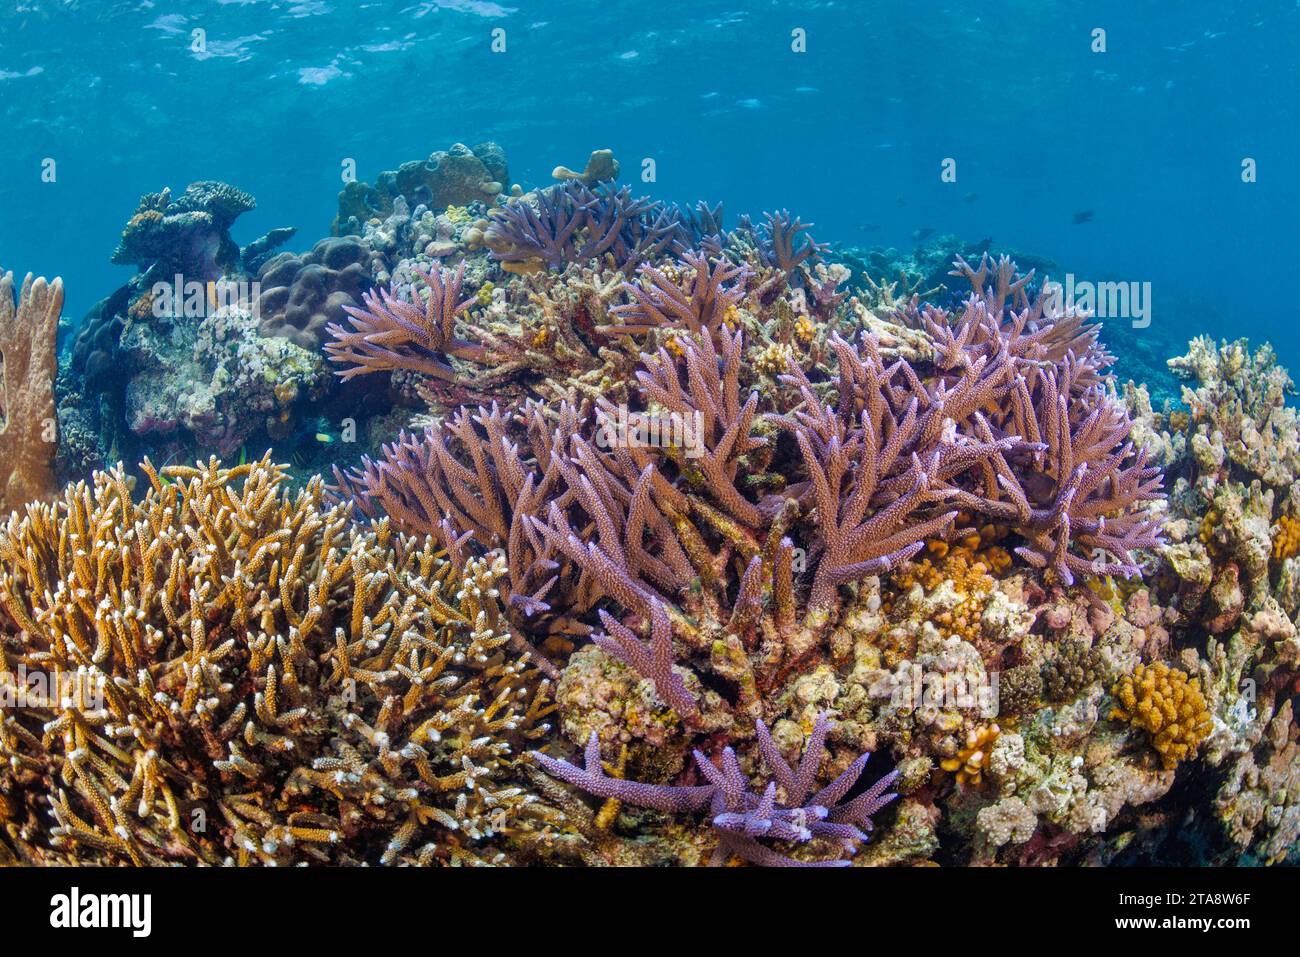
pixel 189 234
pixel 302 294
pixel 456 176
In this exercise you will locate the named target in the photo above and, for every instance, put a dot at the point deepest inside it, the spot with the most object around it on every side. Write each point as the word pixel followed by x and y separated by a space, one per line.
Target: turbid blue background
pixel 1149 135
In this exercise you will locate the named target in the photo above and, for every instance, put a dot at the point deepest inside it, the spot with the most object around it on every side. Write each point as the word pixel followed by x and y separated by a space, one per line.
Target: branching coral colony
pixel 242 674
pixel 684 504
pixel 813 449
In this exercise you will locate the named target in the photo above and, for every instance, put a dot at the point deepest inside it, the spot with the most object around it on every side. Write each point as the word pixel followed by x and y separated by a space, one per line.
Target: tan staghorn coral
pixel 243 675
pixel 29 357
pixel 1168 706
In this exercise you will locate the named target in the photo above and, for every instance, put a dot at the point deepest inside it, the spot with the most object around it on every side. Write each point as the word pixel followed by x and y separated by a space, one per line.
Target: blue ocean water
pixel 1144 142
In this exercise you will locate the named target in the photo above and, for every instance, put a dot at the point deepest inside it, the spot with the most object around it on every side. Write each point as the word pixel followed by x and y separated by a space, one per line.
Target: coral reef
pixel 571 223
pixel 940 493
pixel 651 526
pixel 216 380
pixel 189 234
pixel 214 350
pixel 892 465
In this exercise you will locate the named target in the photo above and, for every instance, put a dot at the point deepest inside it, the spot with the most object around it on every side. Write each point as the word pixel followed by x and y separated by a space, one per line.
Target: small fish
pixel 1085 216
pixel 970 197
pixel 868 227
pixel 922 233
pixel 900 202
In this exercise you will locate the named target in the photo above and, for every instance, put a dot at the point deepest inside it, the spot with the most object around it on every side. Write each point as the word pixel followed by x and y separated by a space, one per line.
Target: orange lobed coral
pixel 1168 705
pixel 973 759
pixel 1286 537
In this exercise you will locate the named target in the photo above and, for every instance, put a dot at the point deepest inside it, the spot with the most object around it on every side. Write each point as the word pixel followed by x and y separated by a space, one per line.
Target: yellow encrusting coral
pixel 258 679
pixel 1166 704
pixel 971 574
pixel 774 359
pixel 1210 522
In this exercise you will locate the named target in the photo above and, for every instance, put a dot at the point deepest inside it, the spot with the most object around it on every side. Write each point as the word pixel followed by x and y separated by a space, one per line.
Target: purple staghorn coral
pixel 786 811
pixel 481 477
pixel 777 255
pixel 704 389
pixel 782 247
pixel 851 465
pixel 572 223
pixel 999 315
pixel 388 334
pixel 666 299
pixel 700 227
pixel 655 658
pixel 687 543
pixel 1075 489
